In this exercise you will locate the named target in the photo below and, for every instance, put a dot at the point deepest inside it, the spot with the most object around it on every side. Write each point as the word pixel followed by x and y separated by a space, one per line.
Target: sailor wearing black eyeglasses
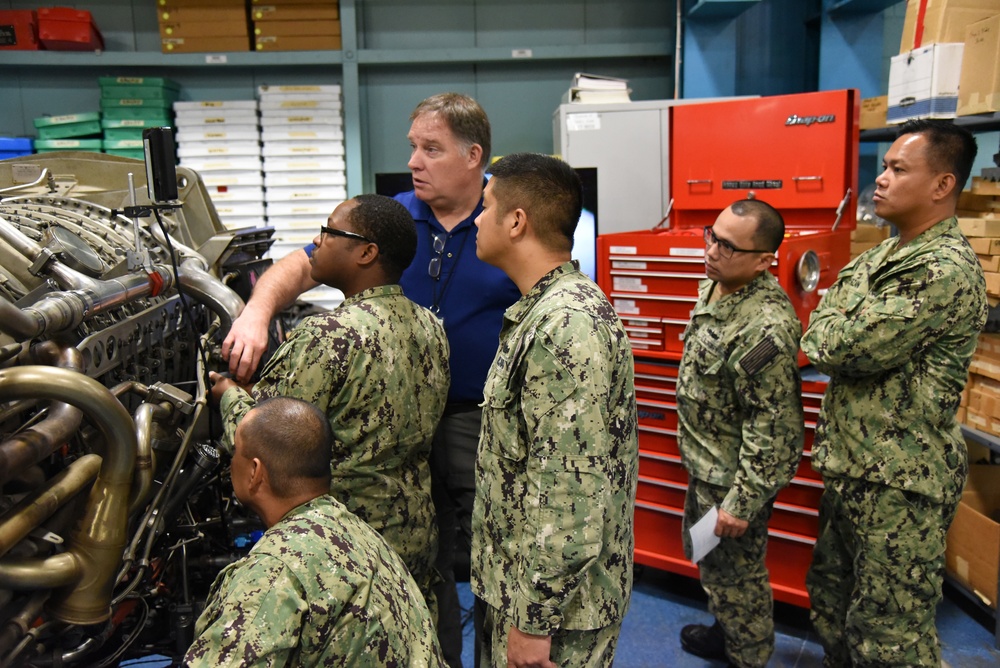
pixel 740 426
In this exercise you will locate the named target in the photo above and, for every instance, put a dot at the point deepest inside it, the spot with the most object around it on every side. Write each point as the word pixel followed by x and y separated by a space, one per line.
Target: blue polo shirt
pixel 469 295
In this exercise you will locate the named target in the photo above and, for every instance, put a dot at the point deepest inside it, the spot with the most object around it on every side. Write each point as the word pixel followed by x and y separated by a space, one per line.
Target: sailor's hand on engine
pixel 220 384
pixel 245 344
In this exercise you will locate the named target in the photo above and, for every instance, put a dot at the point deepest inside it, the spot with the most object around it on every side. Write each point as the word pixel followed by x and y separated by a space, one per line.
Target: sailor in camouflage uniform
pixel 895 334
pixel 377 365
pixel 320 588
pixel 556 476
pixel 740 428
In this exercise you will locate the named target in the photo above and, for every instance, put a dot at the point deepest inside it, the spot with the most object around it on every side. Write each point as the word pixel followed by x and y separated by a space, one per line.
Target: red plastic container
pixel 18 30
pixel 68 29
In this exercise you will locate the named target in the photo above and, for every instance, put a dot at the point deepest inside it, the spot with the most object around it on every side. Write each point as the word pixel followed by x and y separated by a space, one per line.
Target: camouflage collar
pixel 523 305
pixel 948 226
pixel 371 293
pixel 724 305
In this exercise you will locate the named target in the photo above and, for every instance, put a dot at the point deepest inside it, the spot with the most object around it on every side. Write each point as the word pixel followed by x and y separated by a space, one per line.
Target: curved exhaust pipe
pixel 210 291
pixel 30 446
pixel 97 543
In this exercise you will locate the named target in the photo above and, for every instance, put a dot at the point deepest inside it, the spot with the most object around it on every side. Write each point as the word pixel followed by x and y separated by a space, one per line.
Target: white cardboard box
pixel 923 83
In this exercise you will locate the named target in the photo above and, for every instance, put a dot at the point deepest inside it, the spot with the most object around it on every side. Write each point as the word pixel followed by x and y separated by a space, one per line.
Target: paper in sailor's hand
pixel 703 538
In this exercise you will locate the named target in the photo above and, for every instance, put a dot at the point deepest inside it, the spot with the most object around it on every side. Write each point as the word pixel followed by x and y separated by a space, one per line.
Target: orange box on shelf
pixel 283 28
pixel 204 44
pixel 196 13
pixel 18 30
pixel 205 29
pixel 298 12
pixel 298 43
pixel 67 29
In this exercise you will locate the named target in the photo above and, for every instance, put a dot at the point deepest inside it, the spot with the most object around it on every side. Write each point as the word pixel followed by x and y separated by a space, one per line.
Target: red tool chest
pixel 799 153
pixel 659 506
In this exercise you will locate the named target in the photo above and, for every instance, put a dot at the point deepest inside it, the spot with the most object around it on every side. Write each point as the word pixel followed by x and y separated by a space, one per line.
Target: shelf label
pixel 521 53
pixel 216 59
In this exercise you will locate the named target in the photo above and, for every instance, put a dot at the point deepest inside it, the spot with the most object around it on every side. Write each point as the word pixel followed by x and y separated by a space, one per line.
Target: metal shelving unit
pixel 976 123
pixel 993 443
pixel 351 62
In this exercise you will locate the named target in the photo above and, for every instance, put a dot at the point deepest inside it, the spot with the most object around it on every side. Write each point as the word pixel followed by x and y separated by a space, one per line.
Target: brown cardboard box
pixel 204 44
pixel 200 13
pixel 943 21
pixel 306 43
pixel 873 111
pixel 174 4
pixel 979 227
pixel 988 344
pixel 864 232
pixel 985 245
pixel 294 2
pixel 292 28
pixel 973 549
pixel 294 13
pixel 981 186
pixel 990 262
pixel 979 87
pixel 205 29
pixel 992 283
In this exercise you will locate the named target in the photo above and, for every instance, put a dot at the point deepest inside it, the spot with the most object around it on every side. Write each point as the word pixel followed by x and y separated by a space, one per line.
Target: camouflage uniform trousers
pixel 735 578
pixel 592 648
pixel 876 575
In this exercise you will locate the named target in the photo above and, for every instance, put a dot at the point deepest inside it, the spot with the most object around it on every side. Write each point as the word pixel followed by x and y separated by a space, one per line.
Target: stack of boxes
pixel 69 132
pixel 949 61
pixel 221 141
pixel 304 167
pixel 296 25
pixel 198 26
pixel 129 105
pixel 979 219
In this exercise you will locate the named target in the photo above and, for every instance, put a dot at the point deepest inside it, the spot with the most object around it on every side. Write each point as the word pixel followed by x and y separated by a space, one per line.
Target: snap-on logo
pixel 795 119
pixel 651 415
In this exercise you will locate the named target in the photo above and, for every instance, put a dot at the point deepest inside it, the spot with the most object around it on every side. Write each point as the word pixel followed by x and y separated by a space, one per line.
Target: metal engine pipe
pixel 98 541
pixel 26 448
pixel 60 311
pixel 210 291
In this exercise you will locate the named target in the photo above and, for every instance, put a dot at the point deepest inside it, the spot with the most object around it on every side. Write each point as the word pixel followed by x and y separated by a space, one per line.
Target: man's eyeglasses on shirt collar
pixel 726 249
pixel 334 232
pixel 434 268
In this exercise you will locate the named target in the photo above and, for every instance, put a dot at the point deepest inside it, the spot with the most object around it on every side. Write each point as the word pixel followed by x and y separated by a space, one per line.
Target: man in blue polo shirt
pixel 450 150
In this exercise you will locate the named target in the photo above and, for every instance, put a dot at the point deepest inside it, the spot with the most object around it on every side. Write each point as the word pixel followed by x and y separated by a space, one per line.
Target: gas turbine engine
pixel 112 508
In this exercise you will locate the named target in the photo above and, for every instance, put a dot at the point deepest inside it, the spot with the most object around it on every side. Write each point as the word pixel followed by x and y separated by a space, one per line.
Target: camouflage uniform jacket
pixel 895 334
pixel 377 365
pixel 558 460
pixel 739 393
pixel 320 588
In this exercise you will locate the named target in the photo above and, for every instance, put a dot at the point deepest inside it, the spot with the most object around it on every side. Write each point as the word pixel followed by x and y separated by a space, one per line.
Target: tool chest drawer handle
pixel 807 178
pixel 692 182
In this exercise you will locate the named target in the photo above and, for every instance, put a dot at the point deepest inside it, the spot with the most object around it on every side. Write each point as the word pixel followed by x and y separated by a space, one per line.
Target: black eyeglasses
pixel 434 268
pixel 726 249
pixel 334 232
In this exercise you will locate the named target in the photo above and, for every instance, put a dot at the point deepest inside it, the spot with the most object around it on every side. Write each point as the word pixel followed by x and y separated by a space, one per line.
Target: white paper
pixel 703 538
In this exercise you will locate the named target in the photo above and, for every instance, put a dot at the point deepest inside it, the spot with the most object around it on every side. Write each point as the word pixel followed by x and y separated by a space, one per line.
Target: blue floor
pixel 662 603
